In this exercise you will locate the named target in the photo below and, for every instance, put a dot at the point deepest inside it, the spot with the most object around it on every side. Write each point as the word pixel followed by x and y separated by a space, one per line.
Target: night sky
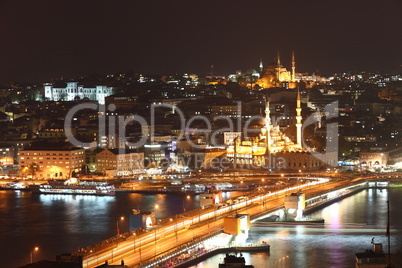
pixel 41 40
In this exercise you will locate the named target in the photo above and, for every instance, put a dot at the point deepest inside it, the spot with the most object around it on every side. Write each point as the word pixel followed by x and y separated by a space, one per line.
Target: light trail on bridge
pixel 164 238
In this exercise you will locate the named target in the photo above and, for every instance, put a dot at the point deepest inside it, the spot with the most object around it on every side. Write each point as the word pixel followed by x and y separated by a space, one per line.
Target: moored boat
pixel 234 261
pixel 74 186
pixel 15 185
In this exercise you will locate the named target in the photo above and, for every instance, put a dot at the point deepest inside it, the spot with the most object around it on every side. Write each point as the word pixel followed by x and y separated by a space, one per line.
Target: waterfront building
pixel 120 162
pixel 208 155
pixel 51 162
pixel 154 153
pixel 253 150
pixel 373 160
pixel 273 149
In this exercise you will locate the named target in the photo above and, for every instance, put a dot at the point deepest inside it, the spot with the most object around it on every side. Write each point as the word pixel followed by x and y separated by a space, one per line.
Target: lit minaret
pixel 299 120
pixel 261 66
pixel 278 67
pixel 293 67
pixel 268 124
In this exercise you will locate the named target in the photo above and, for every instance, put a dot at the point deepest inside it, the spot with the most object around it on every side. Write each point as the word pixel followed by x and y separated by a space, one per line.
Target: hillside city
pixel 367 123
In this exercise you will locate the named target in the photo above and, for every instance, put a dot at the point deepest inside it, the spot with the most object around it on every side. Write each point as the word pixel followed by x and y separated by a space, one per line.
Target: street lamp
pixel 135 236
pixel 199 215
pixel 140 249
pixel 184 207
pixel 175 226
pixel 156 224
pixel 91 257
pixel 32 252
pixel 156 208
pixel 117 224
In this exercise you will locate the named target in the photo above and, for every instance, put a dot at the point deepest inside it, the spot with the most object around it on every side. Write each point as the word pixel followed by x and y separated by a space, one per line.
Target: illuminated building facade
pixel 373 160
pixel 117 162
pixel 74 91
pixel 51 163
pixel 6 156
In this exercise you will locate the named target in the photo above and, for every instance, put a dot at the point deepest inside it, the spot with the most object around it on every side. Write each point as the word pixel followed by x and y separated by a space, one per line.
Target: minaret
pixel 212 71
pixel 261 66
pixel 268 125
pixel 299 120
pixel 278 67
pixel 293 67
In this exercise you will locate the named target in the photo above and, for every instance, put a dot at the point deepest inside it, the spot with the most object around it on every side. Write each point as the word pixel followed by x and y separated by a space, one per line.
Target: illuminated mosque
pixel 271 140
pixel 276 75
pixel 272 149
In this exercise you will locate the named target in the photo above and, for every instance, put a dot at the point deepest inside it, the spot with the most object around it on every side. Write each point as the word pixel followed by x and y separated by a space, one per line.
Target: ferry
pixel 74 186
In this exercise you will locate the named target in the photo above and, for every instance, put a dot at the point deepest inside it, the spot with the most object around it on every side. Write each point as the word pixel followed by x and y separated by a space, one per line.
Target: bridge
pixel 144 248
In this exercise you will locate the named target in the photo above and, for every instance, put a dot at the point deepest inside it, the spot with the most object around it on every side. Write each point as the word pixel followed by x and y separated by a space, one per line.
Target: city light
pixel 35 249
pixel 173 164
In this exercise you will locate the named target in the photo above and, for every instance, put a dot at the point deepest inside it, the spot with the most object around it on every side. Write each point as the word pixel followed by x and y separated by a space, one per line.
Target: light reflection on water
pixel 64 223
pixel 349 227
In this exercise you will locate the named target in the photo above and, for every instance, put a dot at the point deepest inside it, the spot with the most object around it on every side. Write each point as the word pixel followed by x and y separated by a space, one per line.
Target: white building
pixel 74 91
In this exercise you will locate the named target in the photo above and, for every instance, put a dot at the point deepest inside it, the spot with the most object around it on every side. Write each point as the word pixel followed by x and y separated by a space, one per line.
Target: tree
pixel 31 170
pixel 15 97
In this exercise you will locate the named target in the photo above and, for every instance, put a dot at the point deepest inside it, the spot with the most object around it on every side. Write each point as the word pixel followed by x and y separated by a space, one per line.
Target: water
pixel 62 223
pixel 349 227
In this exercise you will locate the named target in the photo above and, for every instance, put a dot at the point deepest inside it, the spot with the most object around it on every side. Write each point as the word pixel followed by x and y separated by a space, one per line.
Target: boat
pixel 376 258
pixel 74 186
pixel 234 261
pixel 372 258
pixel 15 185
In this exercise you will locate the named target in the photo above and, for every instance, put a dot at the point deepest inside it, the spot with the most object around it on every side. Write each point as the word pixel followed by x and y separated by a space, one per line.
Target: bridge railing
pixel 168 254
pixel 181 218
